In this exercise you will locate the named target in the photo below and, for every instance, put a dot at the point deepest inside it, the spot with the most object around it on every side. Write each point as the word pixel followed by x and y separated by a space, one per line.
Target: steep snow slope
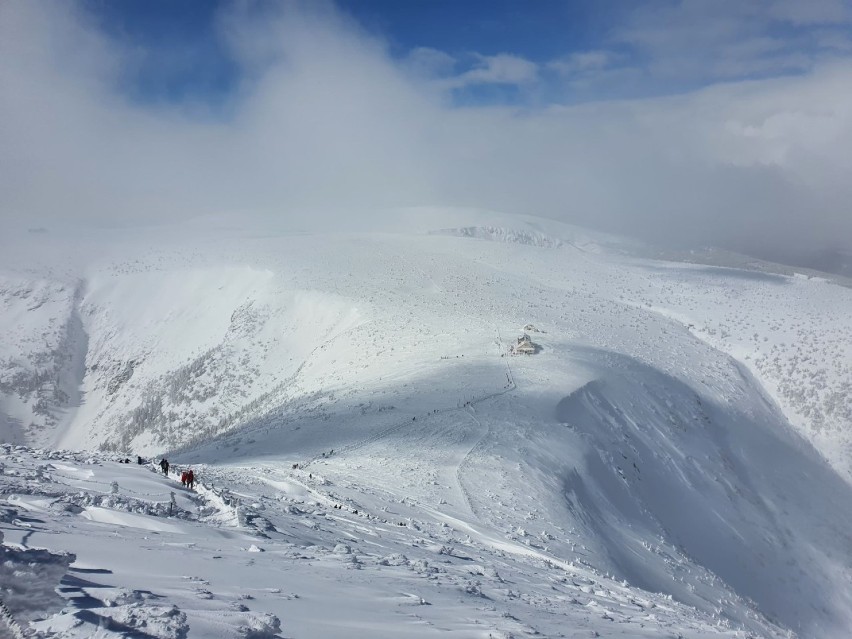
pixel 42 355
pixel 792 332
pixel 648 439
pixel 188 351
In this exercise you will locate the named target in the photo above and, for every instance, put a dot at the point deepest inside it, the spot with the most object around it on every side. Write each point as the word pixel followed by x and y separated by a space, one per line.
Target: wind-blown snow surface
pixel 675 460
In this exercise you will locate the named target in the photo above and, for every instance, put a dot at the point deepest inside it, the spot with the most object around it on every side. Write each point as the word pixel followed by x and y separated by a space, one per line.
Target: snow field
pixel 674 461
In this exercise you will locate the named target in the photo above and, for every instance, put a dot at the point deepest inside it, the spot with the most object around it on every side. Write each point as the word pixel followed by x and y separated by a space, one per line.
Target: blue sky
pixel 688 122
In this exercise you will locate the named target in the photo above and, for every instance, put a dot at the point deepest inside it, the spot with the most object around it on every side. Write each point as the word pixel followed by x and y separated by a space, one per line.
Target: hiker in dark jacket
pixel 165 466
pixel 190 479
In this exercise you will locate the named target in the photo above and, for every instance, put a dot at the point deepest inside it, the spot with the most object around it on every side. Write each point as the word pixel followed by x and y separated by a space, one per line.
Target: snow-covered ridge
pixel 179 345
pixel 108 513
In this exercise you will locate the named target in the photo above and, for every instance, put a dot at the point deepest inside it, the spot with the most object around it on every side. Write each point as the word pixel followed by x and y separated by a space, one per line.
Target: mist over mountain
pixel 322 117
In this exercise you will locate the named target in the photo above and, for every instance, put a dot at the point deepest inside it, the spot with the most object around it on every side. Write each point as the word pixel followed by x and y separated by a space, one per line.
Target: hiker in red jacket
pixel 183 478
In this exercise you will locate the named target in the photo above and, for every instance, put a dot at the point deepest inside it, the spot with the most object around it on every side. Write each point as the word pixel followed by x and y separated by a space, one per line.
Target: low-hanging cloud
pixel 325 119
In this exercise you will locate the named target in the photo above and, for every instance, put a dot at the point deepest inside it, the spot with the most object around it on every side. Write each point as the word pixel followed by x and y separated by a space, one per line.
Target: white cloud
pixel 503 68
pixel 583 62
pixel 429 62
pixel 708 40
pixel 831 40
pixel 328 121
pixel 811 12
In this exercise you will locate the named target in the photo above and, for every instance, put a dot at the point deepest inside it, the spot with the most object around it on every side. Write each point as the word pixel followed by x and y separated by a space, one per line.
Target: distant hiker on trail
pixel 190 479
pixel 165 466
pixel 139 460
pixel 184 478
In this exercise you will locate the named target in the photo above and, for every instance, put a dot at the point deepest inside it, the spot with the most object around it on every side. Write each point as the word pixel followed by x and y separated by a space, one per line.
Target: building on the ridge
pixel 524 346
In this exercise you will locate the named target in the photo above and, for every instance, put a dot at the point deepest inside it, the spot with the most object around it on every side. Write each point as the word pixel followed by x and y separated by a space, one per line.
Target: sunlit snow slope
pixel 683 429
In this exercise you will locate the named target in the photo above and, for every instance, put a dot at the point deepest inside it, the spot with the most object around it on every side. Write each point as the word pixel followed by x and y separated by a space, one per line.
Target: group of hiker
pixel 187 477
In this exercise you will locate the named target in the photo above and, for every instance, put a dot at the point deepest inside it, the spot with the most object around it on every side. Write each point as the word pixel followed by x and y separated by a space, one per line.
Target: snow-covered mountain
pixel 676 458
